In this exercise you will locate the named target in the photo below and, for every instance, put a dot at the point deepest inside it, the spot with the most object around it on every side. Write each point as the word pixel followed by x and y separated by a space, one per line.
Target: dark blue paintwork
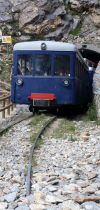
pixel 76 93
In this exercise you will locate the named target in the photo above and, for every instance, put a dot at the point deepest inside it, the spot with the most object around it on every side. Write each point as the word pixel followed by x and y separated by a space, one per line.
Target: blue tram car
pixel 49 74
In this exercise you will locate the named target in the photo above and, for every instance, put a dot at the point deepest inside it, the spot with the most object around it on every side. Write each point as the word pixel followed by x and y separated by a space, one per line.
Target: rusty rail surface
pixel 6 105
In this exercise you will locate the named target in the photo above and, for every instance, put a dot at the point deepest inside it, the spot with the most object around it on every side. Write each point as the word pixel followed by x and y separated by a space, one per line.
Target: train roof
pixel 50 46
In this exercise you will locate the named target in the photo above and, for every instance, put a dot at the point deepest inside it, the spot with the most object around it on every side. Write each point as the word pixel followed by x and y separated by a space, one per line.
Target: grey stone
pixel 70 205
pixel 3 205
pixel 91 206
pixel 22 207
pixel 51 188
pixel 71 188
pixel 15 188
pixel 10 197
pixel 97 192
pixel 37 207
pixel 53 199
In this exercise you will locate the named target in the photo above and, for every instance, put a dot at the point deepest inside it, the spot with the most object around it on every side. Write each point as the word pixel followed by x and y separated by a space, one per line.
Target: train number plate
pixel 41 103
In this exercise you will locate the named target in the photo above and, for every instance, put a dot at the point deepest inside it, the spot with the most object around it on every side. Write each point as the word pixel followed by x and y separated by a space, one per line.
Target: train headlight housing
pixel 66 82
pixel 19 81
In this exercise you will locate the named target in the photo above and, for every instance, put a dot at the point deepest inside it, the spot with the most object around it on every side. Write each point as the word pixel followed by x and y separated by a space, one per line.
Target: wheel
pixel 31 108
pixel 36 110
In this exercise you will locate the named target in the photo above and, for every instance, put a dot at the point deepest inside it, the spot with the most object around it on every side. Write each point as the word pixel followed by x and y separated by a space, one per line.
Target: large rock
pixel 5 10
pixel 5 6
pixel 19 5
pixel 82 4
pixel 44 28
pixel 96 20
pixel 50 19
pixel 96 89
pixel 29 14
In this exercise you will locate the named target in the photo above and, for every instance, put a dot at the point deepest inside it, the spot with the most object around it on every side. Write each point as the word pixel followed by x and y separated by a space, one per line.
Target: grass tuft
pixel 37 120
pixel 76 31
pixel 72 138
pixel 39 143
pixel 66 127
pixel 91 114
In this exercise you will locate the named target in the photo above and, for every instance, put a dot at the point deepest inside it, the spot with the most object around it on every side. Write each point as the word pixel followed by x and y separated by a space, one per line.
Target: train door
pixel 62 74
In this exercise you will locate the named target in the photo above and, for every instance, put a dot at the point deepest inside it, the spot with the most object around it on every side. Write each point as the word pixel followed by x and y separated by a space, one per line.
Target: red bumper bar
pixel 42 96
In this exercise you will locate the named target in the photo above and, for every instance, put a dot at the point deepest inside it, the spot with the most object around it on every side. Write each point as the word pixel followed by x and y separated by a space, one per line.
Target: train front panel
pixel 43 76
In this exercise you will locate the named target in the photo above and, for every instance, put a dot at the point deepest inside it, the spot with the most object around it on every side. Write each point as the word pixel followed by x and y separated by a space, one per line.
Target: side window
pixel 42 65
pixel 62 65
pixel 24 65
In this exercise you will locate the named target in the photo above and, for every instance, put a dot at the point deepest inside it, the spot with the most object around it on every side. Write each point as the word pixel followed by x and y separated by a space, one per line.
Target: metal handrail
pixel 5 85
pixel 6 105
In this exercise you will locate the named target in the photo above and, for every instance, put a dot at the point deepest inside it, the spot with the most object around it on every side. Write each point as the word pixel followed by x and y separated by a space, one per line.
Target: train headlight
pixel 43 46
pixel 66 82
pixel 19 81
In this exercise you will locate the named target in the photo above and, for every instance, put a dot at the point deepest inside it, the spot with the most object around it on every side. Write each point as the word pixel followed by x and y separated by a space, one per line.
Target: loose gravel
pixel 67 174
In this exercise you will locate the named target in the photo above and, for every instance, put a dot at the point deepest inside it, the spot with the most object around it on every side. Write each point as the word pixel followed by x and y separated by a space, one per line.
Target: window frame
pixel 19 56
pixel 54 64
pixel 38 53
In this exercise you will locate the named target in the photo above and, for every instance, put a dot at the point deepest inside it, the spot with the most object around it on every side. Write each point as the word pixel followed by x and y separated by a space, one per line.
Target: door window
pixel 24 65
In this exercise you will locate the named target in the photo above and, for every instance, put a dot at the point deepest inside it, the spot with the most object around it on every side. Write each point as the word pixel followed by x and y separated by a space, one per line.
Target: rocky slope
pixel 77 20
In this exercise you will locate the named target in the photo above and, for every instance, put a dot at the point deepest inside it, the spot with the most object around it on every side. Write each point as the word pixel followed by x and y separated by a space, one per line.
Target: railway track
pixel 13 128
pixel 50 183
pixel 4 127
pixel 28 190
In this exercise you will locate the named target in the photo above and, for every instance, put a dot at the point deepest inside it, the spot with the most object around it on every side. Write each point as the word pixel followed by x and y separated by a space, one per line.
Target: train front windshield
pixel 43 65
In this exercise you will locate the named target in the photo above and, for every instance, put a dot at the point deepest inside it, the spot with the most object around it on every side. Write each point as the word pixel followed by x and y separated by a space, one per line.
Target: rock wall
pixel 96 89
pixel 97 102
pixel 56 19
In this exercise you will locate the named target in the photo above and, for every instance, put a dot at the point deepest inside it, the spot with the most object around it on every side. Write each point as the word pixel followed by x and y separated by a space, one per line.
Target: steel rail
pixel 12 123
pixel 28 187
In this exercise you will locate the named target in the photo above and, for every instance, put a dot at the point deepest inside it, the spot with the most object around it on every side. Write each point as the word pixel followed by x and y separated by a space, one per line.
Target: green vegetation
pixel 5 69
pixel 66 127
pixel 36 37
pixel 26 159
pixel 72 138
pixel 39 143
pixel 91 114
pixel 98 121
pixel 37 120
pixel 36 123
pixel 76 31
